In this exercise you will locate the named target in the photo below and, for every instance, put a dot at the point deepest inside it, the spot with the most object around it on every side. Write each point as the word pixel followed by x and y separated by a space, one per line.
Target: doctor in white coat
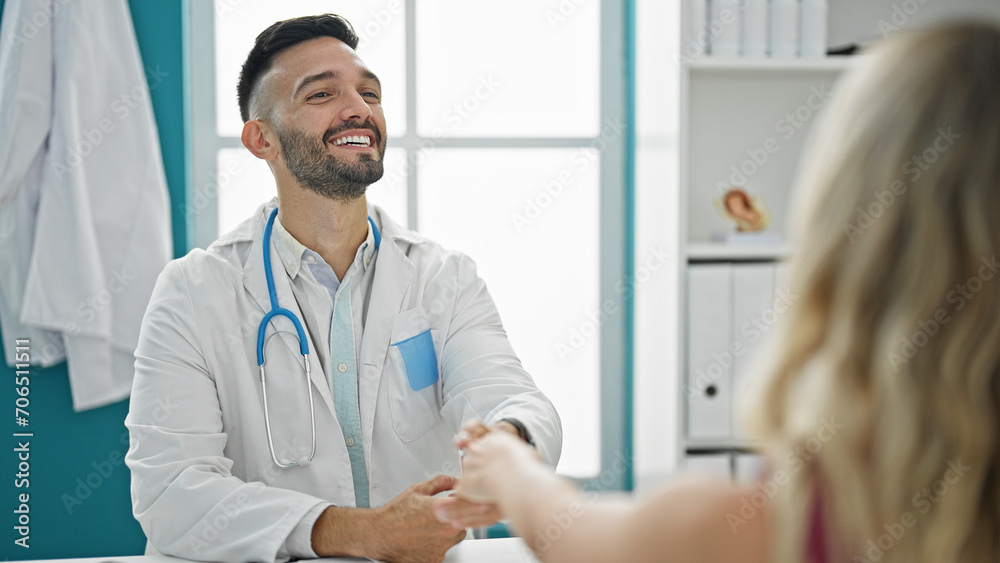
pixel 405 346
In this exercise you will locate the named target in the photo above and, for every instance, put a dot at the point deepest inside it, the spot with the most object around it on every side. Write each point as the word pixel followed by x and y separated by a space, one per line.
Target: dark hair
pixel 280 36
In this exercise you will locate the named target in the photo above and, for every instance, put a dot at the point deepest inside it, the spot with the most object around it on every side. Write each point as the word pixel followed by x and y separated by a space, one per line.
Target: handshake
pixel 491 455
pixel 418 527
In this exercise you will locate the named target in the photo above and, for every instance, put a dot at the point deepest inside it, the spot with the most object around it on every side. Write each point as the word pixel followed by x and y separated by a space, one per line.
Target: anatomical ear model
pixel 749 213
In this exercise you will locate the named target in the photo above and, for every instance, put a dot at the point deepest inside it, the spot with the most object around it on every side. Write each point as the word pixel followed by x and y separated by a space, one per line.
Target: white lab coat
pixel 84 211
pixel 203 482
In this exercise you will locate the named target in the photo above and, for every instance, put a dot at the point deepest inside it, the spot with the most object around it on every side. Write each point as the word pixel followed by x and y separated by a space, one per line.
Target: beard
pixel 312 165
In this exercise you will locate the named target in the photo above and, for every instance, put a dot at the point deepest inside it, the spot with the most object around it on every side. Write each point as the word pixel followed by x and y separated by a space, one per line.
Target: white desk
pixel 507 550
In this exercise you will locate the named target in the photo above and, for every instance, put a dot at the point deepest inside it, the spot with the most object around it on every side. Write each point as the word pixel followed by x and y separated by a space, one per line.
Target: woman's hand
pixel 491 457
pixel 490 461
pixel 491 454
pixel 470 433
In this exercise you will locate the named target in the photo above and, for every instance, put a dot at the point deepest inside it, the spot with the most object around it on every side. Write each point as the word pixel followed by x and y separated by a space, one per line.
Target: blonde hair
pixel 893 340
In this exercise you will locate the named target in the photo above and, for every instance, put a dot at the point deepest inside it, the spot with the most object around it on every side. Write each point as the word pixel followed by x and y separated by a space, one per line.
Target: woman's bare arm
pixel 687 522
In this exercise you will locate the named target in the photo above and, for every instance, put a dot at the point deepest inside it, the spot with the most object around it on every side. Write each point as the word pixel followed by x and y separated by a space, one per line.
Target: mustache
pixel 334 131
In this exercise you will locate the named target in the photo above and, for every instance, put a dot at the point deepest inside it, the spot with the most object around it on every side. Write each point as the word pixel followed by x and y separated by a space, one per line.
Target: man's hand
pixel 403 531
pixel 407 529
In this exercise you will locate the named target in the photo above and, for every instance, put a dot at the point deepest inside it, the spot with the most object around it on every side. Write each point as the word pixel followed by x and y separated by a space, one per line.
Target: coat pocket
pixel 415 385
pixel 419 359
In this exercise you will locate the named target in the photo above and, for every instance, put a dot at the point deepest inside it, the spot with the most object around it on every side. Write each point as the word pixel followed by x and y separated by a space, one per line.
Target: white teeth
pixel 362 140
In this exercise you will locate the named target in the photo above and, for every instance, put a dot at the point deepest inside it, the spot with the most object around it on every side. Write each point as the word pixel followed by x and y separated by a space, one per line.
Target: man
pixel 403 344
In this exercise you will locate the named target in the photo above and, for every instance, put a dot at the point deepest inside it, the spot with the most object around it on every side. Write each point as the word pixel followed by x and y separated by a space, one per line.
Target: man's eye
pixel 371 95
pixel 318 94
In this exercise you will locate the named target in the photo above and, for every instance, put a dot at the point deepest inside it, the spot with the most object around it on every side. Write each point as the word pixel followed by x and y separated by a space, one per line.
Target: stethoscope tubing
pixel 276 310
pixel 303 348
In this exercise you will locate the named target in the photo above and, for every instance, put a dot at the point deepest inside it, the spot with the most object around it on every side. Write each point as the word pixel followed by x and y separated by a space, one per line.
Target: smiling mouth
pixel 353 141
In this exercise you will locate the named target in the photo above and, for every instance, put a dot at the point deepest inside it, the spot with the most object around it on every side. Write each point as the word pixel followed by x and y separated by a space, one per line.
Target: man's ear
pixel 258 137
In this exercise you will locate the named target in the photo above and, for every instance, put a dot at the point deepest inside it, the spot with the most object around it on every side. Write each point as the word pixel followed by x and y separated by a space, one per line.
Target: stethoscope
pixel 303 343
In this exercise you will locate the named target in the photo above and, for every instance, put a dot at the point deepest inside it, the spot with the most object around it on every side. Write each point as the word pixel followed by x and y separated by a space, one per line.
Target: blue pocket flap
pixel 420 360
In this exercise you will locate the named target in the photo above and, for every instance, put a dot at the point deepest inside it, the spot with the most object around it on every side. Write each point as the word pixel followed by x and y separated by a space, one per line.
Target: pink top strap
pixel 818 548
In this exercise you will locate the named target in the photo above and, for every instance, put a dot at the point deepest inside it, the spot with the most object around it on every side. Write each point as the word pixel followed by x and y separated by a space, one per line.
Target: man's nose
pixel 355 108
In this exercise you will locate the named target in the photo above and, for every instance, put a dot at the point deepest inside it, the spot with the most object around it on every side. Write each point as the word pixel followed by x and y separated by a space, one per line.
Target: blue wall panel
pixel 78 485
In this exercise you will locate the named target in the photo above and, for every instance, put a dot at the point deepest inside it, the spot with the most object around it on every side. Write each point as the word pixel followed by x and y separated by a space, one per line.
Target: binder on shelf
pixel 756 14
pixel 725 27
pixel 708 387
pixel 754 314
pixel 709 465
pixel 697 44
pixel 784 29
pixel 813 28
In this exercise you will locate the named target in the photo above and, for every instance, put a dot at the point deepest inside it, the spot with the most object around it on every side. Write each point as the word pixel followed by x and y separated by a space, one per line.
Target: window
pixel 504 143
